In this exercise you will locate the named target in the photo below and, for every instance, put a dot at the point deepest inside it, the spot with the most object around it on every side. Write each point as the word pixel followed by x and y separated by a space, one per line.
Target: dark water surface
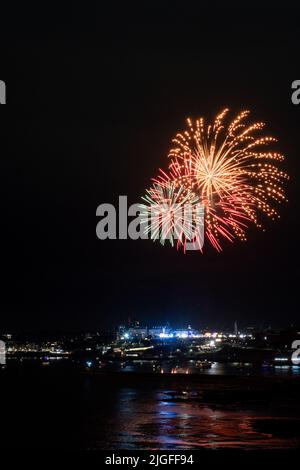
pixel 60 409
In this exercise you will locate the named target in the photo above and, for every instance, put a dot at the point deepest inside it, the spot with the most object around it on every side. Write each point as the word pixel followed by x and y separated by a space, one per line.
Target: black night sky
pixel 94 98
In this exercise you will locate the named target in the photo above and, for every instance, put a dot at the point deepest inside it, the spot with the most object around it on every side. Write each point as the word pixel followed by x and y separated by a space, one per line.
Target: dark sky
pixel 94 98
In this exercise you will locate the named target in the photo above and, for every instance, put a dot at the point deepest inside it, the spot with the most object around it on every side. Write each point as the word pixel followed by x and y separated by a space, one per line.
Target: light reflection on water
pixel 164 419
pixel 218 368
pixel 136 411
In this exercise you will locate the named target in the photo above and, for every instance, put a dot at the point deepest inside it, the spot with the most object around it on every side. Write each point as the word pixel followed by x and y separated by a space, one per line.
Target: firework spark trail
pixel 223 167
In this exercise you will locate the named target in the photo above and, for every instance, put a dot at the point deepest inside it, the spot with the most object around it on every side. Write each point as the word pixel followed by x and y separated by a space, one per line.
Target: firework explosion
pixel 175 213
pixel 226 168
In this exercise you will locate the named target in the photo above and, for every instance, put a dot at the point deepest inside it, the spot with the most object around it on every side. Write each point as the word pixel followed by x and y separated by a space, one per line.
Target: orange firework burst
pixel 226 167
